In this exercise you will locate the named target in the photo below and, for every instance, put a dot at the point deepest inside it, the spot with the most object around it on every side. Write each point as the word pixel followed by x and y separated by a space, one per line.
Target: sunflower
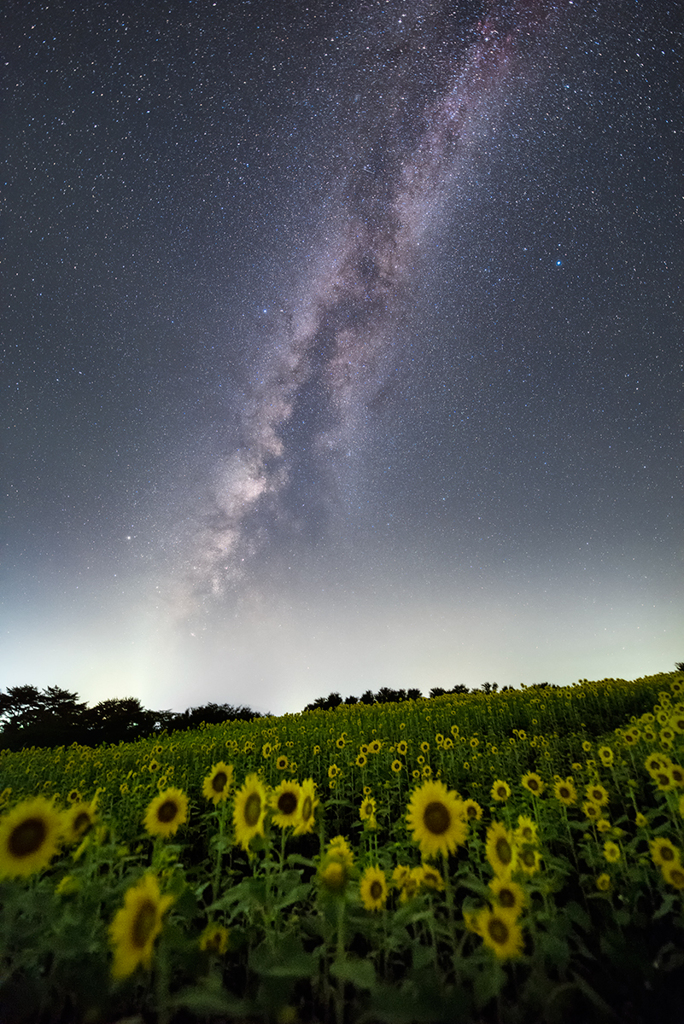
pixel 677 773
pixel 136 925
pixel 436 817
pixel 526 832
pixel 266 750
pixel 361 761
pixel 340 848
pixel 501 932
pixel 611 851
pixel 431 878
pixel 528 860
pixel 218 783
pixel 655 762
pixel 368 809
pixel 597 793
pixel 591 810
pixel 425 747
pixel 166 812
pixel 285 801
pixel 78 821
pixel 396 765
pixel 641 821
pixel 533 783
pixel 333 875
pixel 214 939
pixel 373 888
pixel 74 797
pixel 508 895
pixel 603 882
pixel 334 771
pixel 307 807
pixel 249 811
pixel 402 747
pixel 374 747
pixel 282 762
pixel 663 852
pixel 565 792
pixel 29 837
pixel 673 874
pixel 500 849
pixel 606 755
pixel 472 809
pixel 501 791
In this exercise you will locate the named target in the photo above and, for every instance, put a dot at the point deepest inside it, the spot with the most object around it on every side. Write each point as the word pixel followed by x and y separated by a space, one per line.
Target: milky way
pixel 331 356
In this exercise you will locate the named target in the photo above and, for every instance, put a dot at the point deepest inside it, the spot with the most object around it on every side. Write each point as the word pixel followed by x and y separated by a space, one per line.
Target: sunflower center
pixel 527 857
pixel 666 853
pixel 144 923
pixel 564 793
pixel 498 931
pixel 436 818
pixel 663 779
pixel 503 850
pixel 306 809
pixel 27 837
pixel 532 784
pixel 506 898
pixel 376 890
pixel 252 809
pixel 82 822
pixel 471 812
pixel 167 811
pixel 287 802
pixel 218 783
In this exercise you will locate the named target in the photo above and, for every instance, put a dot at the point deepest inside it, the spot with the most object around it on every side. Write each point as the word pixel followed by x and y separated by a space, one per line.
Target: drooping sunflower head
pixel 136 925
pixel 30 835
pixel 285 803
pixel 214 939
pixel 166 813
pixel 373 888
pixel 431 878
pixel 249 810
pixel 437 819
pixel 218 783
pixel 500 849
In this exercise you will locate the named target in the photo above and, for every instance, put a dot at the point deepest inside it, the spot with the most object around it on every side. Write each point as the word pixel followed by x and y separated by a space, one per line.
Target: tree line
pixel 30 717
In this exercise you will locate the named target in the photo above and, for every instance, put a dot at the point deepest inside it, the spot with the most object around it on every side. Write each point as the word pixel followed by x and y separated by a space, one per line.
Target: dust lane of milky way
pixel 340 332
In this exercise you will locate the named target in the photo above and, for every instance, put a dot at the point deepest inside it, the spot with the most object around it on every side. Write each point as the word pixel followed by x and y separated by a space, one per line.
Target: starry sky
pixel 341 346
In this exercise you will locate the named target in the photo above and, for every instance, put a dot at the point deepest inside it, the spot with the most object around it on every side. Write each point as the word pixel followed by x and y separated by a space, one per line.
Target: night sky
pixel 341 346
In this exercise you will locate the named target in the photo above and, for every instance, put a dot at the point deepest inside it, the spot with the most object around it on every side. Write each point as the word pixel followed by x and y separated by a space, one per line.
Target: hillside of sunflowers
pixel 508 857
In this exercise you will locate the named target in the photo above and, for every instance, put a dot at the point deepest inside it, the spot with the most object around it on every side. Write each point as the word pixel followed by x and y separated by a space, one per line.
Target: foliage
pixel 549 887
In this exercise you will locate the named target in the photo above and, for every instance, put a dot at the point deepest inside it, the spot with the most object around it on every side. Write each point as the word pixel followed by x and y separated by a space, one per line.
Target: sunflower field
pixel 511 857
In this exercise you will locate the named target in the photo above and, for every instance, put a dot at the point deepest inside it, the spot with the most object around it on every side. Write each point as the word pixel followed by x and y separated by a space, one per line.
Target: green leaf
pixel 290 961
pixel 666 906
pixel 360 973
pixel 577 914
pixel 210 1002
